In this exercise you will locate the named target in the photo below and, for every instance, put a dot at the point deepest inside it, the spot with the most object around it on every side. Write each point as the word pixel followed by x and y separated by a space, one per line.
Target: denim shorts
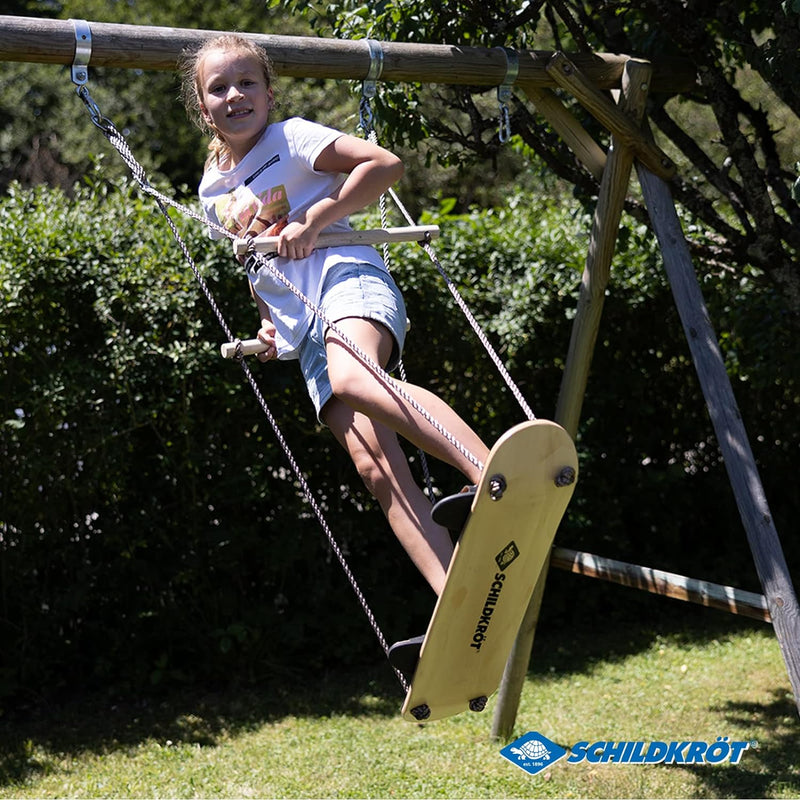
pixel 351 290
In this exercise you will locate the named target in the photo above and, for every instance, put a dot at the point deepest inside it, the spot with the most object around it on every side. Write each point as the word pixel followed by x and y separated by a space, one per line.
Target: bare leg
pixel 365 415
pixel 356 386
pixel 384 469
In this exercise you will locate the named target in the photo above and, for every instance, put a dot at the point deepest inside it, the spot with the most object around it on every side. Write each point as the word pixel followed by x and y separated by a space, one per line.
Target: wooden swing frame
pixel 588 78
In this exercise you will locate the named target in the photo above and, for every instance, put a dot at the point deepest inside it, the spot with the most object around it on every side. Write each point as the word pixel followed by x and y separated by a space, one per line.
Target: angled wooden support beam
pixel 569 76
pixel 726 418
pixel 602 243
pixel 564 123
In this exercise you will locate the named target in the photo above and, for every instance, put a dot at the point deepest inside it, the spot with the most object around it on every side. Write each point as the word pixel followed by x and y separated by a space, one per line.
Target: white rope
pixel 367 361
pixel 372 136
pixel 163 201
pixel 366 121
pixel 118 141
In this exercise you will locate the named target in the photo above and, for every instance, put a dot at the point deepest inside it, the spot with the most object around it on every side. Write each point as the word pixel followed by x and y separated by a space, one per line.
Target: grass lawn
pixel 343 737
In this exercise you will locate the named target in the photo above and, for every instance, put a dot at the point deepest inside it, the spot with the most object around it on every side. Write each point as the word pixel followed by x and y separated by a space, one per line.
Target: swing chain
pixel 137 170
pixel 367 93
pixel 369 86
pixel 100 121
pixel 79 72
pixel 504 93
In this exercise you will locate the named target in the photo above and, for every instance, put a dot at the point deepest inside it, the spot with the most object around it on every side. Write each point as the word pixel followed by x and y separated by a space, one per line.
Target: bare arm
pixel 266 332
pixel 370 171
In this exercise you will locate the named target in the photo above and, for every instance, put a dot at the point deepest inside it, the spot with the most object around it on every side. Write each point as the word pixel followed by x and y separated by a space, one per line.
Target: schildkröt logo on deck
pixel 504 559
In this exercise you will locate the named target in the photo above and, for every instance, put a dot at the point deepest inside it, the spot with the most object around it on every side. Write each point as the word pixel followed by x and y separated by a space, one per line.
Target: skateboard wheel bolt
pixel 477 703
pixel 421 712
pixel 565 478
pixel 497 487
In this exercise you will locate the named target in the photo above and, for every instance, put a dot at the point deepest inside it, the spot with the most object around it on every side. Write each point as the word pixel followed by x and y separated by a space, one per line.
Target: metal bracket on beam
pixel 504 92
pixel 369 86
pixel 83 52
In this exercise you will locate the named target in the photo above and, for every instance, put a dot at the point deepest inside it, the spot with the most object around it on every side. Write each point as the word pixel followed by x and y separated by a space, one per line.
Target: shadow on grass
pixel 30 743
pixel 621 623
pixel 765 769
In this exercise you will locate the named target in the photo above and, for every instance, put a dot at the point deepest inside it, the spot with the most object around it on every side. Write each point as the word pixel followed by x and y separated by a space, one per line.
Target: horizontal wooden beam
pixel 52 41
pixel 667 584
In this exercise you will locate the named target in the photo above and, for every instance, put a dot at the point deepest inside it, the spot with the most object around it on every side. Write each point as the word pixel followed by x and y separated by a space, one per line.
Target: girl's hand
pixel 267 335
pixel 297 240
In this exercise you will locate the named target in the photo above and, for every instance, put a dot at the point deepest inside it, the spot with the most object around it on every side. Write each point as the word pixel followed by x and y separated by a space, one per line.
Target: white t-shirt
pixel 273 184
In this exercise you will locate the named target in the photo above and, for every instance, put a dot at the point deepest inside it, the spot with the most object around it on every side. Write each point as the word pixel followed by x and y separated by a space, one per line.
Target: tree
pixel 734 136
pixel 142 537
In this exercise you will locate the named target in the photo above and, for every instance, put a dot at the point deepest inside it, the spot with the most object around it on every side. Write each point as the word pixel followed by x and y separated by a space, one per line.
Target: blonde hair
pixel 191 88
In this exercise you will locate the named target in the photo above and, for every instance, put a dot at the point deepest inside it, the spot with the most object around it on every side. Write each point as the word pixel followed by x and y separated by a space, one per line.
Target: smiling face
pixel 235 98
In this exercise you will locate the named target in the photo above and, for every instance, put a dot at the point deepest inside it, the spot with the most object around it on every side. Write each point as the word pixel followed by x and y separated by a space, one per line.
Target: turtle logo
pixel 534 749
pixel 507 556
pixel 533 752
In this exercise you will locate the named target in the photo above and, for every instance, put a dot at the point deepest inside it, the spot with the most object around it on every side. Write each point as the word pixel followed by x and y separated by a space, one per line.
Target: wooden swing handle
pixel 249 348
pixel 268 244
pixel 413 233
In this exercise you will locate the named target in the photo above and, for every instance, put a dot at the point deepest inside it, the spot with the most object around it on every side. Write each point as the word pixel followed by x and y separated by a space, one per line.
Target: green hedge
pixel 150 530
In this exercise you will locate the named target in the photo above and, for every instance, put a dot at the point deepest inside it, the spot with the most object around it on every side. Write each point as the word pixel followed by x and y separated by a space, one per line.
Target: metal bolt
pixel 478 703
pixel 497 487
pixel 566 477
pixel 421 712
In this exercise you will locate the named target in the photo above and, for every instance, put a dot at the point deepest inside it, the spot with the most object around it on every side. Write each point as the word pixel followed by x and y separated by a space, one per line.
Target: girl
pixel 296 179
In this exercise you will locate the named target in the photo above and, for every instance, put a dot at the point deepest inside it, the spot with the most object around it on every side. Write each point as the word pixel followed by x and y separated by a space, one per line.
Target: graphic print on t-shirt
pixel 245 213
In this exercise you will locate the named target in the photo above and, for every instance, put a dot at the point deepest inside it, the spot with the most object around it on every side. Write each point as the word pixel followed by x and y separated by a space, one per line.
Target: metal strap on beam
pixel 504 92
pixel 83 51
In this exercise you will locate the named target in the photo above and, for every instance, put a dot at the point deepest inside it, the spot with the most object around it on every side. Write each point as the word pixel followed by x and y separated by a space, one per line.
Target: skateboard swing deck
pixel 526 485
